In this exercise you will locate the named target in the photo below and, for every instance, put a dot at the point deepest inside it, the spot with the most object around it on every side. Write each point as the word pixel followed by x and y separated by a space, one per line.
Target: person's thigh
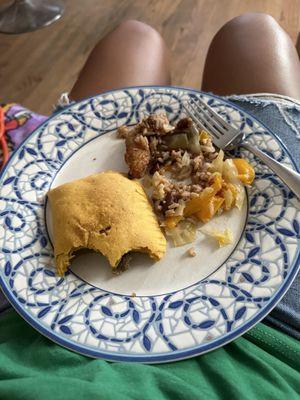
pixel 252 54
pixel 132 54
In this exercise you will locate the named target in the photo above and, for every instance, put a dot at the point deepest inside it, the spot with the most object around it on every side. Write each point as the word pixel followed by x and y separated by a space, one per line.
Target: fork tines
pixel 204 116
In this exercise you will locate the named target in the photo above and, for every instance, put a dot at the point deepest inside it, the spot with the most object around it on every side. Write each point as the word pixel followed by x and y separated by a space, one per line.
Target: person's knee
pixel 248 22
pixel 139 29
pixel 252 20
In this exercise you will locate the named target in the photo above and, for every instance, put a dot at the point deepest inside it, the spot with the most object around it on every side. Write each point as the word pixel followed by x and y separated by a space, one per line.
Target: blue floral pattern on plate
pixel 159 328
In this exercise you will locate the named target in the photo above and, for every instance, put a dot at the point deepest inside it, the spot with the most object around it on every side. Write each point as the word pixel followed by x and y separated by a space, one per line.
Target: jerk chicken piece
pixel 155 124
pixel 137 155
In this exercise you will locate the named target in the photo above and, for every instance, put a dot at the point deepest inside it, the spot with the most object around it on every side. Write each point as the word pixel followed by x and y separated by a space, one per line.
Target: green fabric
pixel 263 364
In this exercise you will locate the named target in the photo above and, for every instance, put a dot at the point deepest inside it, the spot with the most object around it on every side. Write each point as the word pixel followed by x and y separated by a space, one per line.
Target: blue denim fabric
pixel 283 118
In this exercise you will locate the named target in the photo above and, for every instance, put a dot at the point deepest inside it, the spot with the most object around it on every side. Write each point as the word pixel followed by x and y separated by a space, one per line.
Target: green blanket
pixel 263 364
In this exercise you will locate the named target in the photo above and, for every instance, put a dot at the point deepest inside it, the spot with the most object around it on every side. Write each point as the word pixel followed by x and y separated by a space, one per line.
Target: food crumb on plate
pixel 191 252
pixel 224 238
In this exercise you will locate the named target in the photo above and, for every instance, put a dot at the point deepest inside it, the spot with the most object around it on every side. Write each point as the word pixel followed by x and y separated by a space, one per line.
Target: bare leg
pixel 252 54
pixel 132 54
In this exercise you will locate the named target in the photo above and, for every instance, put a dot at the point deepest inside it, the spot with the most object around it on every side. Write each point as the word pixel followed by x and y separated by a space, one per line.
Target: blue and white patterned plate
pixel 183 307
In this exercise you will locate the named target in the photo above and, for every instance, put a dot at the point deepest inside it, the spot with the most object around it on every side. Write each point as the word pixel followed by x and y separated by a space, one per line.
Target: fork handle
pixel 290 177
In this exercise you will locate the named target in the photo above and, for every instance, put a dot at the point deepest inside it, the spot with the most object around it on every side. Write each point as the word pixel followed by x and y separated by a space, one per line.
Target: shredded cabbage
pixel 177 141
pixel 223 237
pixel 183 233
pixel 240 197
pixel 193 137
pixel 217 163
pixel 228 198
pixel 230 174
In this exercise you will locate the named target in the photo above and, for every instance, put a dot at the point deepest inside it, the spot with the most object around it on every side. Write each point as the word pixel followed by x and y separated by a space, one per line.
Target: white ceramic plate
pixel 183 306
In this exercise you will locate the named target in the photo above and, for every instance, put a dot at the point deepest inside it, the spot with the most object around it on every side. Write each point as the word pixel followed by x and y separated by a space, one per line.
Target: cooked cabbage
pixel 177 141
pixel 228 199
pixel 194 142
pixel 183 233
pixel 224 238
pixel 240 197
pixel 188 140
pixel 230 174
pixel 217 163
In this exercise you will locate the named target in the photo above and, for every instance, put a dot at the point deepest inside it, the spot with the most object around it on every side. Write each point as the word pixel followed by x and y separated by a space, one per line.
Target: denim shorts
pixel 282 115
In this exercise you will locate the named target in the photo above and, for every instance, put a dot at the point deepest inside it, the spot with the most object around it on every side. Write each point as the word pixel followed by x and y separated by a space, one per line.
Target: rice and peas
pixel 188 179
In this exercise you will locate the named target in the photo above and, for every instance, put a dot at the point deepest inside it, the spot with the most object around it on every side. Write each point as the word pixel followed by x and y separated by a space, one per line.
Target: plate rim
pixel 177 354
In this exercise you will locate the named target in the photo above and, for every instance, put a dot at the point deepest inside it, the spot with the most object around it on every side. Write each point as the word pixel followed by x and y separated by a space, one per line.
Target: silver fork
pixel 227 137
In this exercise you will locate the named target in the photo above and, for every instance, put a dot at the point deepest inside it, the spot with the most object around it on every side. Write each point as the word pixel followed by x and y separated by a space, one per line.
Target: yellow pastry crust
pixel 107 213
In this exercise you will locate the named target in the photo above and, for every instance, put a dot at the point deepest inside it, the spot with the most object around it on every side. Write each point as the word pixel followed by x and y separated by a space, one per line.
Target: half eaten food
pixel 107 213
pixel 188 178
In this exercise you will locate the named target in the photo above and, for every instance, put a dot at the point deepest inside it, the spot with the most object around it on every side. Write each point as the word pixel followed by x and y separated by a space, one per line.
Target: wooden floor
pixel 36 67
